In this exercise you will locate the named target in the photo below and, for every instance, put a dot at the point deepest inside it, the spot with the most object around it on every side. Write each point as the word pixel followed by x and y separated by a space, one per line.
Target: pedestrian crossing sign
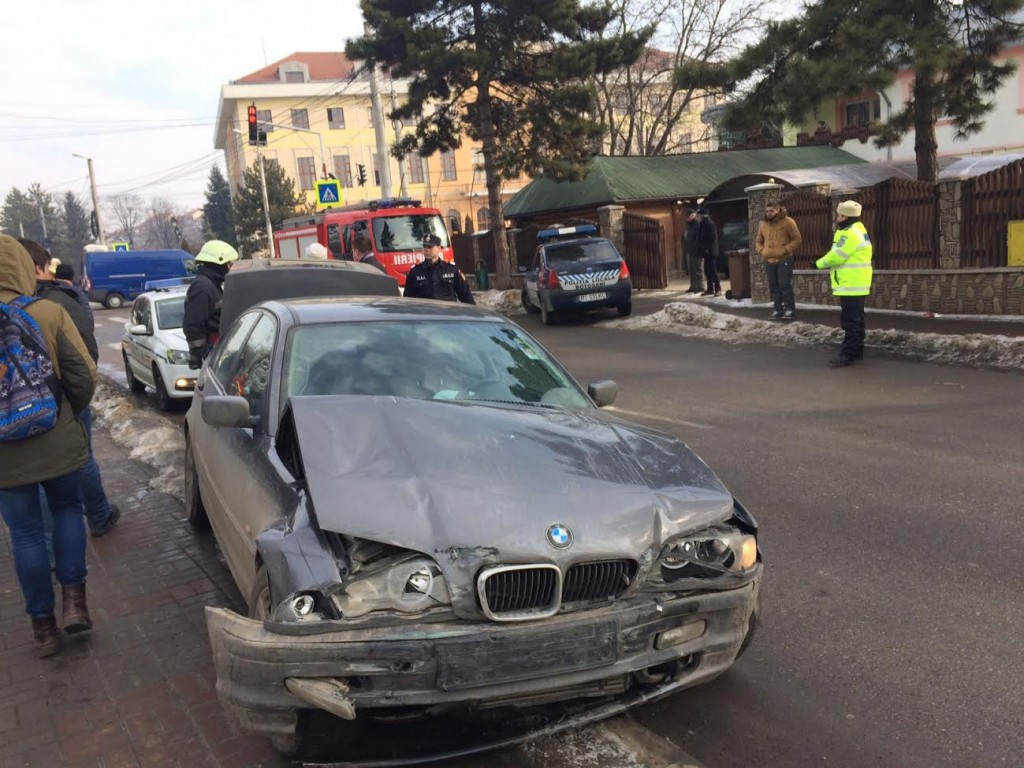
pixel 121 246
pixel 328 193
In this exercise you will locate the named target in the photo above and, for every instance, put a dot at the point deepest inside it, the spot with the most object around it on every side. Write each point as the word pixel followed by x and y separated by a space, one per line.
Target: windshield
pixel 427 360
pixel 406 232
pixel 170 312
pixel 581 253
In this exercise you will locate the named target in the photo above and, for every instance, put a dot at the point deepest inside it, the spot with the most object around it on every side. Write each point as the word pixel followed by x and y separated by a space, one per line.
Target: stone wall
pixel 959 292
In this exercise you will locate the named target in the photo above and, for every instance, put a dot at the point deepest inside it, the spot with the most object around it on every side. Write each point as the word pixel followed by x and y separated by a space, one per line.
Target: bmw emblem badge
pixel 559 536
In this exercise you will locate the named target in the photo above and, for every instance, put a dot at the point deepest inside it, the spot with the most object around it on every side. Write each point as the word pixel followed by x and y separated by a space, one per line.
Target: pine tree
pixel 248 206
pixel 76 226
pixel 514 75
pixel 217 208
pixel 841 48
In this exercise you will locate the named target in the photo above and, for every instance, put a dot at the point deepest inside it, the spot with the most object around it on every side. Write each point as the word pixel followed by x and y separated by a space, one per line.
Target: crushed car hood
pixel 448 478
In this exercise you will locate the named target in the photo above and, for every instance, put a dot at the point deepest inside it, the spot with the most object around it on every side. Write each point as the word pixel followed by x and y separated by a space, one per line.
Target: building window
pixel 709 101
pixel 335 118
pixel 307 172
pixel 343 170
pixel 454 221
pixel 415 168
pixel 483 219
pixel 448 172
pixel 265 120
pixel 620 101
pixel 300 119
pixel 295 77
pixel 862 112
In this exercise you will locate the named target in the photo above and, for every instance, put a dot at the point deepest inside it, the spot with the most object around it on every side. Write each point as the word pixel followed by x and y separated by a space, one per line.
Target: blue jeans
pixel 23 515
pixel 97 507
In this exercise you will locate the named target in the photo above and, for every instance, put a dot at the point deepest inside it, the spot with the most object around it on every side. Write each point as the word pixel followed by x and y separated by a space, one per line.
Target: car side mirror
pixel 140 330
pixel 226 411
pixel 603 392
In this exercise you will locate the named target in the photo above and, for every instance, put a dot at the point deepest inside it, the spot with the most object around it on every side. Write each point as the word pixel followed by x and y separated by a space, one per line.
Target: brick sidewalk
pixel 138 692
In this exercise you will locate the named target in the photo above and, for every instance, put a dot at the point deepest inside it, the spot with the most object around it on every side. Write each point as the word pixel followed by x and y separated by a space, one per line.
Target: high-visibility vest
pixel 849 261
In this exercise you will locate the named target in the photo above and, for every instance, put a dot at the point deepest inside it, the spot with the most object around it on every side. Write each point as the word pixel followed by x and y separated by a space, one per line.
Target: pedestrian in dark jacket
pixel 435 278
pixel 707 246
pixel 363 251
pixel 694 261
pixel 50 460
pixel 201 322
pixel 65 274
pixel 100 514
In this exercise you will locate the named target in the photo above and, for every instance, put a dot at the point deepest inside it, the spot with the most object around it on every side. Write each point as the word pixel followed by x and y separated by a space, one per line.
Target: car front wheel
pixel 194 508
pixel 527 304
pixel 162 395
pixel 134 385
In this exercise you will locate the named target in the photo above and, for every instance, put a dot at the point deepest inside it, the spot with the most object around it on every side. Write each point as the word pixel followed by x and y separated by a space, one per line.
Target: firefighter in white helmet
pixel 201 323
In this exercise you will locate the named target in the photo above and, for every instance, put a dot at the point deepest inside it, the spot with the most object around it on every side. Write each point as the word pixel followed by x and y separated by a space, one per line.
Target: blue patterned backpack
pixel 28 386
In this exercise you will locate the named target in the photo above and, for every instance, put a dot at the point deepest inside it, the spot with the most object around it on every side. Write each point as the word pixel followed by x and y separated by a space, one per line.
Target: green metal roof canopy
pixel 693 175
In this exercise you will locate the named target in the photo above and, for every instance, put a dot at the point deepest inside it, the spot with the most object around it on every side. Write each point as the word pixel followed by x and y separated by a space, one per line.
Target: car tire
pixel 547 317
pixel 625 308
pixel 113 301
pixel 162 395
pixel 259 601
pixel 752 624
pixel 134 385
pixel 194 508
pixel 527 305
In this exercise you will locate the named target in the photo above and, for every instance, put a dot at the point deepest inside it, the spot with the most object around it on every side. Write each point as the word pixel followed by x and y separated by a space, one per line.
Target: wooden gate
pixel 644 239
pixel 990 202
pixel 902 218
pixel 813 216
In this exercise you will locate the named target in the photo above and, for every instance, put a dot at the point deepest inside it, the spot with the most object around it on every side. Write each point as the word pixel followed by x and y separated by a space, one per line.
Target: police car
pixel 154 348
pixel 573 270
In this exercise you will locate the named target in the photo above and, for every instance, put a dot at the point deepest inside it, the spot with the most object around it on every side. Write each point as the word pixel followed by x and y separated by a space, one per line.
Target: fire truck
pixel 394 227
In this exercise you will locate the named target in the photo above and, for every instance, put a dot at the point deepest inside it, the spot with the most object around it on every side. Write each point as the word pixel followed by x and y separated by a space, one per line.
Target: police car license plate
pixel 592 297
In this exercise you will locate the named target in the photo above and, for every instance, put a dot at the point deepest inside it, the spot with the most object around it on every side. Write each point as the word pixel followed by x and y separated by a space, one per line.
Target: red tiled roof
pixel 332 65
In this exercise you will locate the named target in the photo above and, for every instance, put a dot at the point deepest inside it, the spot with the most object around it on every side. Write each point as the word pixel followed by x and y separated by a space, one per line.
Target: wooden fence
pixel 990 202
pixel 644 239
pixel 901 217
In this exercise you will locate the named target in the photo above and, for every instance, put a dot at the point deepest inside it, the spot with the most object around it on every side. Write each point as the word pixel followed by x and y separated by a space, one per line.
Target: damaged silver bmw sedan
pixel 426 512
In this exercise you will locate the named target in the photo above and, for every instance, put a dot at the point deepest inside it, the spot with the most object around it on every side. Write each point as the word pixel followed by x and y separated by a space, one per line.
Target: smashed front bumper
pixel 657 643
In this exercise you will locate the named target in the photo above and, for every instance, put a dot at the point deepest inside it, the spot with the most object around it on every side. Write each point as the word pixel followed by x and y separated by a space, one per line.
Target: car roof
pixel 164 293
pixel 329 309
pixel 574 241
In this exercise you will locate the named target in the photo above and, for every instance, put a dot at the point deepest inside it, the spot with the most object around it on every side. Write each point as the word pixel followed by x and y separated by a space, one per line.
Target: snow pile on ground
pixel 695 320
pixel 506 302
pixel 147 437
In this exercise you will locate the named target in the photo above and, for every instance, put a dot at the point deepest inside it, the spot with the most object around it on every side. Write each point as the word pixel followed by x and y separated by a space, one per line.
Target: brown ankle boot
pixel 76 612
pixel 47 636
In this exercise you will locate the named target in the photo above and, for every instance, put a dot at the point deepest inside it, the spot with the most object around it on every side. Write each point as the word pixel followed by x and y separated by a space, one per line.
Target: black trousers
pixel 711 273
pixel 851 319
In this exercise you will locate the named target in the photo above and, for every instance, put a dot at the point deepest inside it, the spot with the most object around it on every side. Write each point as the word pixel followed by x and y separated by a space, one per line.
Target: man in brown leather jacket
pixel 778 238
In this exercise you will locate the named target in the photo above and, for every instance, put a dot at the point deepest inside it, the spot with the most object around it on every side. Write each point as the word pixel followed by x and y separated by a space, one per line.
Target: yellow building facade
pixel 316 111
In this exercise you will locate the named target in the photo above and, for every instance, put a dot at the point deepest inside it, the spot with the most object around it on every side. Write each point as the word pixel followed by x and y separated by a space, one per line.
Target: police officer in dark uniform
pixel 201 323
pixel 435 278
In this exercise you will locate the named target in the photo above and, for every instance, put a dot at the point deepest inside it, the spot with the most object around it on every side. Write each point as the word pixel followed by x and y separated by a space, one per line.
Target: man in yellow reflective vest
pixel 849 263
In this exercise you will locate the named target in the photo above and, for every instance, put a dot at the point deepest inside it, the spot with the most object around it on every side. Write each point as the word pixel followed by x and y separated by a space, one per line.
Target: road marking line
pixel 655 417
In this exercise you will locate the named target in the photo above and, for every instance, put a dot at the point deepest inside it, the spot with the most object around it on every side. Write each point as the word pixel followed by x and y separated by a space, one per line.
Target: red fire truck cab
pixel 394 227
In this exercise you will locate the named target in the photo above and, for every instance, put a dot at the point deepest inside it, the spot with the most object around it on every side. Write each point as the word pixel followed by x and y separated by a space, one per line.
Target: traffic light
pixel 254 131
pixel 361 176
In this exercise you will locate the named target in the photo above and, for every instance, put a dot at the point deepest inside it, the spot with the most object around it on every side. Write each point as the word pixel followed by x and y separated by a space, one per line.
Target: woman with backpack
pixel 47 378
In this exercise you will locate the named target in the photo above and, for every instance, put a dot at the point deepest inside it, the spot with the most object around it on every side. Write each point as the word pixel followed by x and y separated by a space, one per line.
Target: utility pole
pixel 377 111
pixel 266 205
pixel 403 191
pixel 95 198
pixel 42 218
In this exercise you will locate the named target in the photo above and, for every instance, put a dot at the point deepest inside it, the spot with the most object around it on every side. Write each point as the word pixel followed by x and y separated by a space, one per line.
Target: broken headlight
pixel 707 554
pixel 413 585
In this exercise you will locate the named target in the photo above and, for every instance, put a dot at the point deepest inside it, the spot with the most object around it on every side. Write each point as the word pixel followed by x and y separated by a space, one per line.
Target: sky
pixel 135 86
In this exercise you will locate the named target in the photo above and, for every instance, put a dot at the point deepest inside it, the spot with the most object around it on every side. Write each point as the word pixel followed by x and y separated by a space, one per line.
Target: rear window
pixel 581 253
pixel 406 232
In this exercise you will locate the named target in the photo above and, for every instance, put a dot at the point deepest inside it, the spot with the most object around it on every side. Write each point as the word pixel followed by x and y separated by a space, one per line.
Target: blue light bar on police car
pixel 582 230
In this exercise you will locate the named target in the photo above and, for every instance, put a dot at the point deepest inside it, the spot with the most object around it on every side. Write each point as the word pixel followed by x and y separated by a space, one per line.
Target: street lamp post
pixel 95 198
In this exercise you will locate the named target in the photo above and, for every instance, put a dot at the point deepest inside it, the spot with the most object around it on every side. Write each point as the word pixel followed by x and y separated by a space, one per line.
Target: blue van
pixel 114 277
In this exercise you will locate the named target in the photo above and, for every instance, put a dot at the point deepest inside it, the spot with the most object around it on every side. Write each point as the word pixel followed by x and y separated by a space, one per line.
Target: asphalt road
pixel 889 499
